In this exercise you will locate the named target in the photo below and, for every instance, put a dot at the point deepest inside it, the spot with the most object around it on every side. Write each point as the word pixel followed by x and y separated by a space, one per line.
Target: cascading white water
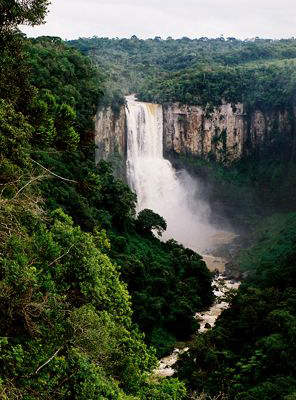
pixel 171 194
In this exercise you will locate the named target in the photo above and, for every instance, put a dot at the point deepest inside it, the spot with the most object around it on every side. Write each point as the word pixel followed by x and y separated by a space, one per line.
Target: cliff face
pixel 226 134
pixel 188 129
pixel 266 128
pixel 110 134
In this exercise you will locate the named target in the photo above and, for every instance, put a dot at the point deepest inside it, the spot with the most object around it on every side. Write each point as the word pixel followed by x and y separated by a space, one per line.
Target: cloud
pixel 193 18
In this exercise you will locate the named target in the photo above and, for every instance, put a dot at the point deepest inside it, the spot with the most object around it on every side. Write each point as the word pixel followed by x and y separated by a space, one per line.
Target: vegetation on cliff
pixel 263 85
pixel 247 190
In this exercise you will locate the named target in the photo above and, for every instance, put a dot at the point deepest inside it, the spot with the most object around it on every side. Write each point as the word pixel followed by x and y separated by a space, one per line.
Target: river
pixel 221 285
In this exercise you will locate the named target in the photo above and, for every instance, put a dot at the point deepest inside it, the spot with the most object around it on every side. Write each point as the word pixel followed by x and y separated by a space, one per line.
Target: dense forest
pixel 249 354
pixel 258 72
pixel 90 297
pixel 79 314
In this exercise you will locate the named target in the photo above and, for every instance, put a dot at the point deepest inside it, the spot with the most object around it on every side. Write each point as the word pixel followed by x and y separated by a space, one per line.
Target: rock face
pixel 265 126
pixel 110 133
pixel 226 134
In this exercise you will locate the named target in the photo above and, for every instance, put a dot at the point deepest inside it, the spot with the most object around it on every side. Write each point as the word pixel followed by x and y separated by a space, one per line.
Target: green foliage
pixel 166 282
pixel 53 123
pixel 15 84
pixel 14 77
pixel 67 321
pixel 59 291
pixel 42 111
pixel 162 340
pixel 98 198
pixel 264 86
pixel 202 71
pixel 270 261
pixel 148 220
pixel 166 389
pixel 15 133
pixel 71 79
pixel 290 397
pixel 249 354
pixel 13 13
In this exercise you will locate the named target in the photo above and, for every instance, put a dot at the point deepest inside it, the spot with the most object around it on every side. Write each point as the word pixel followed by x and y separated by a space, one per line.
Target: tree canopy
pixel 17 12
pixel 259 72
pixel 148 220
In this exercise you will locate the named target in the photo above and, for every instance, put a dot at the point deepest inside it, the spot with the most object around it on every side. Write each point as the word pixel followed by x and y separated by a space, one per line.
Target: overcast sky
pixel 71 19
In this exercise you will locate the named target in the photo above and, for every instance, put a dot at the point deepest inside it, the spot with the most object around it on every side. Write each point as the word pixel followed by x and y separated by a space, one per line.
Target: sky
pixel 71 19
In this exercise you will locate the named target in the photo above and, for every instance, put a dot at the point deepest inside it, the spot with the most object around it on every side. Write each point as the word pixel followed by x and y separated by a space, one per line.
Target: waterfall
pixel 173 195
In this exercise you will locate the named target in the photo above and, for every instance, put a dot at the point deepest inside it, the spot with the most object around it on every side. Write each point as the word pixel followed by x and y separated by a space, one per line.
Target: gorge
pixel 151 134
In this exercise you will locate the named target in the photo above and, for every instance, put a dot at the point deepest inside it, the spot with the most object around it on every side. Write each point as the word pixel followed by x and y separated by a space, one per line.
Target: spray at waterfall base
pixel 173 195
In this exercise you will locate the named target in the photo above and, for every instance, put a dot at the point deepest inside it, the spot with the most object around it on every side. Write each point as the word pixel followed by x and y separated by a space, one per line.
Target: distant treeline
pixel 258 72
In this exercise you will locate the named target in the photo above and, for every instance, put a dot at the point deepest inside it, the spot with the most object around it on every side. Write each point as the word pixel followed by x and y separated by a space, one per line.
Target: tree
pixel 14 84
pixel 149 220
pixel 15 133
pixel 17 12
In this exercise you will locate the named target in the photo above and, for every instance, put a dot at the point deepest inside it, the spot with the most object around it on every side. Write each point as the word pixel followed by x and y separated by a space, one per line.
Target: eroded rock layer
pixel 110 133
pixel 226 134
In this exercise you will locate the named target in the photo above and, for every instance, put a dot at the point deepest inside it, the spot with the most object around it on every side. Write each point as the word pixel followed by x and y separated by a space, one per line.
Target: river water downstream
pixel 221 286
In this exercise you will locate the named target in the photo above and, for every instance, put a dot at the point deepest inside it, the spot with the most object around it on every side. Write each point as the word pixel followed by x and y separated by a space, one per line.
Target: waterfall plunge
pixel 171 194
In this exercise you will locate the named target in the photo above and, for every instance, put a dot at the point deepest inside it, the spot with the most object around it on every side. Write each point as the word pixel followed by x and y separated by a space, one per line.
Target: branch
pixel 52 173
pixel 63 255
pixel 48 361
pixel 28 183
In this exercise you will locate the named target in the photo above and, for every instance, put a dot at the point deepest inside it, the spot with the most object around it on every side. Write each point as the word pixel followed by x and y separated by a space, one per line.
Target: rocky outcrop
pixel 226 134
pixel 110 133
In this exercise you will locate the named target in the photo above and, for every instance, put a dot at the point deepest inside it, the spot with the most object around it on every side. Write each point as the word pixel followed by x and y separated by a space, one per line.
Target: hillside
pixel 79 317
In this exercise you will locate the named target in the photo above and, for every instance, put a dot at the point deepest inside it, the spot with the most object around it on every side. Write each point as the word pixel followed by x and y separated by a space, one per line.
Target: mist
pixel 188 214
